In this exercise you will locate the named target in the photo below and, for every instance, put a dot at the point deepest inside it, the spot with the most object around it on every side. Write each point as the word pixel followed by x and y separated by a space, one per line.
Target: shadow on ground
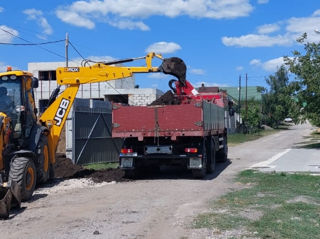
pixel 179 172
pixel 308 145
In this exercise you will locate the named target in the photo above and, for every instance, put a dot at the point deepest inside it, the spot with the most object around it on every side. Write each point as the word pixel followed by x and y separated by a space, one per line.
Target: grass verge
pixel 100 166
pixel 234 139
pixel 270 206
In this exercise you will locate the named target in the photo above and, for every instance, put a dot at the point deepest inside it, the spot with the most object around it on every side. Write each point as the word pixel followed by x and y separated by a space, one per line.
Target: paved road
pixel 159 207
pixel 303 157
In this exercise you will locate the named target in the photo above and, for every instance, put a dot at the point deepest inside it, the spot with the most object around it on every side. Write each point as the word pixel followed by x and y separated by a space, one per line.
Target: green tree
pixel 306 66
pixel 280 101
pixel 253 116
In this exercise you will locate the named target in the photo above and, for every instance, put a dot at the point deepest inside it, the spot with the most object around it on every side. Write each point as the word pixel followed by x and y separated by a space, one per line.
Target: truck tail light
pixel 191 150
pixel 126 151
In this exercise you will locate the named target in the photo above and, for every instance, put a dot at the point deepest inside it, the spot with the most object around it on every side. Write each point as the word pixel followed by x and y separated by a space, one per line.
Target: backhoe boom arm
pixel 56 114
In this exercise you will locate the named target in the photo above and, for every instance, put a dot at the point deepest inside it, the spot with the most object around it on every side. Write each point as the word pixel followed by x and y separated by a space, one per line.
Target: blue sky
pixel 218 39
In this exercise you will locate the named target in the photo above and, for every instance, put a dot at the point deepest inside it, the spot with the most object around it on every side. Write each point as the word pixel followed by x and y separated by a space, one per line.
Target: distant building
pixel 252 93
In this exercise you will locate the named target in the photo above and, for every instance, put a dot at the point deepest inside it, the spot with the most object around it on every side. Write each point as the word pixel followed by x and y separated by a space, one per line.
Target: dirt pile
pixel 64 168
pixel 167 98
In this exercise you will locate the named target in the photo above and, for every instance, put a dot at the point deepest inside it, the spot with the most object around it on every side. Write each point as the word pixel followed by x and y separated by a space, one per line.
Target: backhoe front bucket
pixel 9 197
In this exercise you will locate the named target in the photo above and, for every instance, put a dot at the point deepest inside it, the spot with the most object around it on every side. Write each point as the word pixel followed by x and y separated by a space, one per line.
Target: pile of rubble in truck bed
pixel 64 168
pixel 167 98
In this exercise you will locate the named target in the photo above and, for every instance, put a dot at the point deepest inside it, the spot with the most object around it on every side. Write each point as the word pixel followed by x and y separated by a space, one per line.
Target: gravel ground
pixel 162 206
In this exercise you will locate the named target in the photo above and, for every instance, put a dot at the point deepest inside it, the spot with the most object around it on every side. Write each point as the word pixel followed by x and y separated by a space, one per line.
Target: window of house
pixel 47 75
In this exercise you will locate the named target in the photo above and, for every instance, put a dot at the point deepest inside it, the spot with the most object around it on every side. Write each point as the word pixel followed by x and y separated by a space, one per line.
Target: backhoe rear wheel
pixel 23 172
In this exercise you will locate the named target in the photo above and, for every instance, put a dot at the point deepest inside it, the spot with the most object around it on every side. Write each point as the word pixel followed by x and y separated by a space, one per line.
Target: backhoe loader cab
pixel 19 146
pixel 17 102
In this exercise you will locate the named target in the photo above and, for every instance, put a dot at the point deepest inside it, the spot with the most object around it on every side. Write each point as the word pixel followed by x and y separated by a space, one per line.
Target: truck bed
pixel 199 118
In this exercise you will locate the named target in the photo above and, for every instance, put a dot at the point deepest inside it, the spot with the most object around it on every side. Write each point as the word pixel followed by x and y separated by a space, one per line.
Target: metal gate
pixel 92 140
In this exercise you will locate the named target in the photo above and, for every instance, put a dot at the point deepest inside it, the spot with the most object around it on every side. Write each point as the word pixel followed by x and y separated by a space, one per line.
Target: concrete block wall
pixel 138 96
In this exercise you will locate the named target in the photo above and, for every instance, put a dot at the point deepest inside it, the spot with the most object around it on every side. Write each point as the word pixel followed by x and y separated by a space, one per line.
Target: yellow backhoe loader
pixel 27 143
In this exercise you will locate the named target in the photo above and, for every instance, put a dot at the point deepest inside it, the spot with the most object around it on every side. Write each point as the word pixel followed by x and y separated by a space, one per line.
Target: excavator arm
pixel 56 114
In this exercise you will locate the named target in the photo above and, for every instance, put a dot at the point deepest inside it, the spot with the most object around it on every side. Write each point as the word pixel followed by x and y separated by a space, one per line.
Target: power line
pixel 74 48
pixel 10 33
pixel 30 44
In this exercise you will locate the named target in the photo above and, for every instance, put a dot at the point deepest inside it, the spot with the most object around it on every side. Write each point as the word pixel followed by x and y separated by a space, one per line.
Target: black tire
pixel 43 169
pixel 211 152
pixel 201 173
pixel 130 173
pixel 23 172
pixel 51 171
pixel 222 154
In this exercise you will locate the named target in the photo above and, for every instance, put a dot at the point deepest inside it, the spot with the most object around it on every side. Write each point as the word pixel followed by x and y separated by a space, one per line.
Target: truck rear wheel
pixel 211 152
pixel 222 154
pixel 23 172
pixel 201 173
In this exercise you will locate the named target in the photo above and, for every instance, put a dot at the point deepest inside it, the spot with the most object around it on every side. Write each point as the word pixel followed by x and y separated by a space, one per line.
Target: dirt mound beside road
pixel 64 168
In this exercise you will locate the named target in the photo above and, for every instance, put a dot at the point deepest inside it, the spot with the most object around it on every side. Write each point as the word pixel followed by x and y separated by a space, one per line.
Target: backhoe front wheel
pixel 23 172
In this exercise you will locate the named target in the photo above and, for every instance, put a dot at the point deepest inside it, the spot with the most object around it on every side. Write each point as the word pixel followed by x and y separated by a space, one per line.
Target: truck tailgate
pixel 152 121
pixel 193 119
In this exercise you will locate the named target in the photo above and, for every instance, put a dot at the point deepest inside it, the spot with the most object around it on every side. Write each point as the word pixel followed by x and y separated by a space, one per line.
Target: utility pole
pixel 246 96
pixel 239 101
pixel 67 45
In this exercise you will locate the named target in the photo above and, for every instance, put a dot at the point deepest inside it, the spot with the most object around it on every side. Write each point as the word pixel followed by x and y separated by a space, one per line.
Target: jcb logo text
pixel 61 111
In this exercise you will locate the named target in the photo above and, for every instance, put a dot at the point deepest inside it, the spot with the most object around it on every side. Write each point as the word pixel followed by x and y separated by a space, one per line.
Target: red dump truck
pixel 188 130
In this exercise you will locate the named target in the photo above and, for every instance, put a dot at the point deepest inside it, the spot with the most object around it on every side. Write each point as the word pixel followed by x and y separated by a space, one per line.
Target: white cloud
pixel 271 65
pixel 208 84
pixel 268 28
pixel 112 11
pixel 254 40
pixel 7 34
pixel 316 13
pixel 163 47
pixel 3 67
pixel 291 29
pixel 157 76
pixel 37 16
pixel 1 9
pixel 131 25
pixel 75 19
pixel 263 1
pixel 197 71
pixel 255 62
pixel 298 26
pixel 239 68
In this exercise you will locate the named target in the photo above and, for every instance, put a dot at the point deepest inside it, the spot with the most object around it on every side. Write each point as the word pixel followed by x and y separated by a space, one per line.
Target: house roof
pixel 252 93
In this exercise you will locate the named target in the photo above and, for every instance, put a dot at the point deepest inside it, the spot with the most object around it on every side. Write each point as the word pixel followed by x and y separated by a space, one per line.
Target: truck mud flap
pixel 9 197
